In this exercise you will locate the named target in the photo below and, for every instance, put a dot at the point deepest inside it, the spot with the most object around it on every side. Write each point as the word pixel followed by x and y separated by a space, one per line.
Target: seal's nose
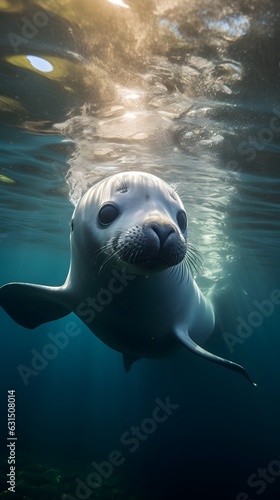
pixel 162 231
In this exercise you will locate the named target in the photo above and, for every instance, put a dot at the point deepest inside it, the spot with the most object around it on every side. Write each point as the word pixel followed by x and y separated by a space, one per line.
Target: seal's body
pixel 129 279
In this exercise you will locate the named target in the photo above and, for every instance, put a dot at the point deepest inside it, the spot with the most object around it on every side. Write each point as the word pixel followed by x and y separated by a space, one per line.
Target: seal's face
pixel 138 220
pixel 155 244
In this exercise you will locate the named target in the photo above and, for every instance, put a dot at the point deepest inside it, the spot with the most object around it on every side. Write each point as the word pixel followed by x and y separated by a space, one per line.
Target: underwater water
pixel 189 91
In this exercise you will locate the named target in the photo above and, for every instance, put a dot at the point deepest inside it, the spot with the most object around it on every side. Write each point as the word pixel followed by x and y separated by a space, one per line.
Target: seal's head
pixel 131 218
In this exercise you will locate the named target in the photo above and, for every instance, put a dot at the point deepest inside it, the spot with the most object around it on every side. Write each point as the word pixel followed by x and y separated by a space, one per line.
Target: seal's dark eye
pixel 107 214
pixel 182 220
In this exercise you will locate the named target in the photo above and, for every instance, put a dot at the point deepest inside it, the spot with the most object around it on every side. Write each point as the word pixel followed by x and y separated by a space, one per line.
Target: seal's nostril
pixel 162 230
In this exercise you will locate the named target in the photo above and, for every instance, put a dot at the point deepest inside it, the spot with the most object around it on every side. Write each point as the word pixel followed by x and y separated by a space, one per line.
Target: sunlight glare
pixel 129 115
pixel 132 96
pixel 120 3
pixel 40 64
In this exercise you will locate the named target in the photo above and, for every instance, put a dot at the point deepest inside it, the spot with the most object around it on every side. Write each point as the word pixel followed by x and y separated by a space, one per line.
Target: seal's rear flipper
pixel 185 339
pixel 31 305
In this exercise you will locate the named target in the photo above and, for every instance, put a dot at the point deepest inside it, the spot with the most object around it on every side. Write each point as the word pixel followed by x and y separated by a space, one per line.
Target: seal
pixel 130 277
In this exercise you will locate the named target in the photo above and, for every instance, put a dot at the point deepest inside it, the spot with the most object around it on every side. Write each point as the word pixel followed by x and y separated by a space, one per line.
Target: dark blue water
pixel 188 91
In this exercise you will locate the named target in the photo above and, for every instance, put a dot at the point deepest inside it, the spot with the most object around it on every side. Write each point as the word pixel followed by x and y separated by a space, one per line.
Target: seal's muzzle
pixel 157 244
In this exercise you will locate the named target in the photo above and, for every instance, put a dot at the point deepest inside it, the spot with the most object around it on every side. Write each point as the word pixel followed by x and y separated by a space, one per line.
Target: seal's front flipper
pixel 31 305
pixel 128 360
pixel 185 339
